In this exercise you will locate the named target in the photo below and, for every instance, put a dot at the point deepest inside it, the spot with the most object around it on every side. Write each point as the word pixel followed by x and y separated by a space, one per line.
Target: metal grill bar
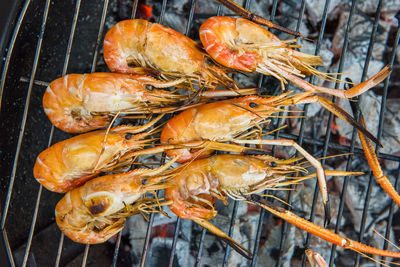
pixel 354 136
pixel 59 250
pixel 66 61
pixel 24 117
pixel 147 240
pixel 230 232
pixel 328 132
pixel 396 186
pixel 134 8
pixel 118 243
pixel 201 246
pixel 151 221
pixel 85 255
pixel 301 134
pixel 174 241
pixel 235 205
pixel 327 136
pixel 11 48
pixel 8 249
pixel 262 212
pixel 2 84
pixel 390 217
pixel 116 250
pixel 301 138
pixel 94 64
pixel 179 220
pixel 100 36
pixel 33 73
pixel 28 245
pixel 379 135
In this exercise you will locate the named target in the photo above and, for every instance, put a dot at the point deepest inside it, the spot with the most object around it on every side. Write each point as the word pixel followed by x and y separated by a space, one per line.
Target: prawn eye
pixel 128 136
pixel 273 164
pixel 209 61
pixel 144 181
pixel 253 105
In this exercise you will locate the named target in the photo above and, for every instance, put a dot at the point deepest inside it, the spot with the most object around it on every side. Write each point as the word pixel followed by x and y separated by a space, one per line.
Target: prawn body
pixel 138 43
pixel 199 183
pixel 79 103
pixel 96 211
pixel 244 45
pixel 70 163
pixel 230 119
pixel 241 44
pixel 218 121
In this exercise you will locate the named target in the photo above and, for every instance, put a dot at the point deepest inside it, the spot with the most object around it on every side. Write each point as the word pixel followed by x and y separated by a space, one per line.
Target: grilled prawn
pixel 96 211
pixel 228 119
pixel 138 43
pixel 70 163
pixel 244 45
pixel 200 183
pixel 79 103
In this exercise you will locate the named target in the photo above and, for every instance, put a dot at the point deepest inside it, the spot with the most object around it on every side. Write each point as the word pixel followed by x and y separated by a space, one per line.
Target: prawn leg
pixel 375 166
pixel 315 258
pixel 226 238
pixel 323 233
pixel 313 161
pixel 338 111
pixel 352 92
pixel 256 18
pixel 192 145
pixel 141 128
pixel 226 93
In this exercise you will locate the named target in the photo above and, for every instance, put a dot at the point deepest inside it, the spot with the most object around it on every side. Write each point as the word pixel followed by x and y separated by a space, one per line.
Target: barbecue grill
pixel 47 39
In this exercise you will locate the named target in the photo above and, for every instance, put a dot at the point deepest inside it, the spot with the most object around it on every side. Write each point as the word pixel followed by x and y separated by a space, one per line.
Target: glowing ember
pixel 145 11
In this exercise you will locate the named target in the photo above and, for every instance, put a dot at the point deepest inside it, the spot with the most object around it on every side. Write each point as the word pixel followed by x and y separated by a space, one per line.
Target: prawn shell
pixel 216 121
pixel 180 130
pixel 218 36
pixel 70 163
pixel 147 43
pixel 223 173
pixel 62 98
pixel 76 231
pixel 242 44
pixel 79 103
pixel 95 200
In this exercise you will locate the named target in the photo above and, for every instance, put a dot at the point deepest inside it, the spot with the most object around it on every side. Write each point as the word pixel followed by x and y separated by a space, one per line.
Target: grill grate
pixel 34 83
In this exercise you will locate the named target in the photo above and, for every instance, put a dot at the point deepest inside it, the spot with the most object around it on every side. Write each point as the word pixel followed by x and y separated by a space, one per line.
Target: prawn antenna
pixel 245 109
pixel 387 240
pixel 258 19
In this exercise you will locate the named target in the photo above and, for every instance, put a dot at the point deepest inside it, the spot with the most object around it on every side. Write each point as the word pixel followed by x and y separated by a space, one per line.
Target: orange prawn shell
pixel 65 91
pixel 79 103
pixel 76 209
pixel 217 33
pixel 73 199
pixel 213 121
pixel 242 44
pixel 180 192
pixel 149 40
pixel 216 173
pixel 69 163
